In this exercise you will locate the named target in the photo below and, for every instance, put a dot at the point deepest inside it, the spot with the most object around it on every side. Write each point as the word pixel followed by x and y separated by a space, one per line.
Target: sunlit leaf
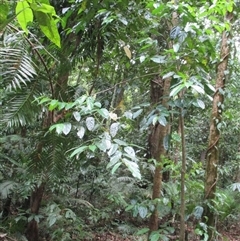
pixel 130 151
pixel 137 113
pixel 143 211
pixel 67 128
pixel 176 47
pixel 113 149
pixel 170 74
pixel 114 159
pixel 133 168
pixel 92 148
pixel 103 112
pixel 81 132
pixel 48 26
pixel 120 142
pixel 198 88
pixel 127 52
pixel 176 90
pixel 24 14
pixel 114 129
pixel 77 115
pixel 79 151
pixel 159 59
pixel 116 167
pixel 90 123
pixel 201 104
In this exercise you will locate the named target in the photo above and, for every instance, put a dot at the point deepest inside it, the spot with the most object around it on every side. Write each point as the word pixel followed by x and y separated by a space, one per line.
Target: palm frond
pixel 16 65
pixel 20 109
pixel 49 159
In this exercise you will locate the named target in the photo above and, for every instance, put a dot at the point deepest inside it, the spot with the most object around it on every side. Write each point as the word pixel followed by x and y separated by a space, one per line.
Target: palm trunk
pixel 214 136
pixel 36 197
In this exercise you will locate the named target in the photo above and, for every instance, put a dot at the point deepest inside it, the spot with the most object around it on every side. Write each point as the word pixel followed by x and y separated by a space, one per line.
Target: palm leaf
pixel 20 109
pixel 16 65
pixel 50 159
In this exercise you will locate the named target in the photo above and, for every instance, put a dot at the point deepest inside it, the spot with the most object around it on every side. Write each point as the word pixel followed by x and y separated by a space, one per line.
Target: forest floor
pixel 230 233
pixel 227 233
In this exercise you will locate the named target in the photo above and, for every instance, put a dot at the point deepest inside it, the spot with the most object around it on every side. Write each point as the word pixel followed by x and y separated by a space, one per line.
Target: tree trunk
pixel 182 235
pixel 159 94
pixel 214 136
pixel 32 228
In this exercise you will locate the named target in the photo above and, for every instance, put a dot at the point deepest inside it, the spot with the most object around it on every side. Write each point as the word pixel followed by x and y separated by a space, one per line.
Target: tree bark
pixel 212 154
pixel 159 93
pixel 183 171
pixel 32 228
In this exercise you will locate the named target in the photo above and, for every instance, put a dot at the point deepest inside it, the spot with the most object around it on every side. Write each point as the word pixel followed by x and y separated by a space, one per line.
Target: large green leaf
pixel 24 14
pixel 48 26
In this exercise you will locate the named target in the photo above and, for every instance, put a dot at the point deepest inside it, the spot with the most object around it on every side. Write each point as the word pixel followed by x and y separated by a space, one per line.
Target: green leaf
pixel 201 104
pixel 176 47
pixel 58 127
pixel 198 211
pixel 114 159
pixel 132 167
pixel 66 128
pixel 142 58
pixel 154 236
pixel 114 129
pixel 90 103
pixel 81 132
pixel 79 151
pixel 92 148
pixel 6 188
pixel 143 211
pixel 162 120
pixel 137 113
pixel 77 116
pixel 90 123
pixel 198 88
pixel 80 100
pixel 24 14
pixel 44 100
pixel 116 167
pixel 53 104
pixel 143 231
pixel 52 220
pixel 112 150
pixel 4 11
pixel 170 74
pixel 103 112
pixel 48 27
pixel 120 142
pixel 130 151
pixel 159 59
pixel 176 90
pixel 43 7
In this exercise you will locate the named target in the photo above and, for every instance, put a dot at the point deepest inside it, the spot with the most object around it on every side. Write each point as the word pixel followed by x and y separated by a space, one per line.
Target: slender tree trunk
pixel 36 197
pixel 183 171
pixel 214 136
pixel 159 94
pixel 159 91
